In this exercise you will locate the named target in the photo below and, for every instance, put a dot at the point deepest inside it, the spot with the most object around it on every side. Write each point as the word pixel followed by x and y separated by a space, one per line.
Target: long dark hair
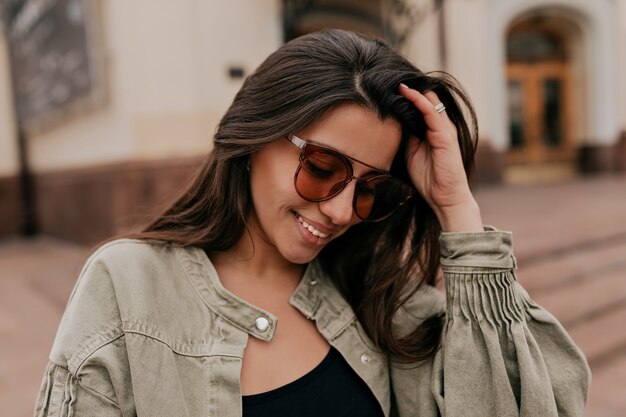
pixel 376 266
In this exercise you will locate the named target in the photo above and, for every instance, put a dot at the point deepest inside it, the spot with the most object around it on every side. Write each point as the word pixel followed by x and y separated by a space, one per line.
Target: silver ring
pixel 440 107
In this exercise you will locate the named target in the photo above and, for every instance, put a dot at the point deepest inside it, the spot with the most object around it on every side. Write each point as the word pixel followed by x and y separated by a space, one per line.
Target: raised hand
pixel 436 168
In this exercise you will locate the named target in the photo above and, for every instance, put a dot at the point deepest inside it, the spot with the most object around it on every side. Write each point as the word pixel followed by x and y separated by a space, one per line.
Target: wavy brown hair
pixel 376 266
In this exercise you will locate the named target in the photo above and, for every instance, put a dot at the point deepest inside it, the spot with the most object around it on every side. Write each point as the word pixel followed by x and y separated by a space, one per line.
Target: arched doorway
pixel 589 37
pixel 540 61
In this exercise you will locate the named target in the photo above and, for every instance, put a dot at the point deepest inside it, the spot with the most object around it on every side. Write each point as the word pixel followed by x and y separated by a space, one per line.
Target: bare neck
pixel 255 262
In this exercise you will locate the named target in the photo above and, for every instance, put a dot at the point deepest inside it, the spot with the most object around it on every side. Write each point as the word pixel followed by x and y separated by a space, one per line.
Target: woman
pixel 295 276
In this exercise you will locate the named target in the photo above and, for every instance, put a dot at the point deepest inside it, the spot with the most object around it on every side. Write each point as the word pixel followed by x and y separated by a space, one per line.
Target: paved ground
pixel 570 241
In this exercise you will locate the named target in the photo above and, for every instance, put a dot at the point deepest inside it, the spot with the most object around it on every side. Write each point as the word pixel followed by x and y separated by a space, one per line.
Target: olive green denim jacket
pixel 150 331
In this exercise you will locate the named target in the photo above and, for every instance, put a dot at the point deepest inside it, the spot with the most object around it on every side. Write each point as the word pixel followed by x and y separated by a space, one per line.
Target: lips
pixel 314 228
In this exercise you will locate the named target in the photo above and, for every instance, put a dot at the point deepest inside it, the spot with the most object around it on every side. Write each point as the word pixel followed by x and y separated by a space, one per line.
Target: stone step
pixel 586 300
pixel 550 275
pixel 545 219
pixel 602 338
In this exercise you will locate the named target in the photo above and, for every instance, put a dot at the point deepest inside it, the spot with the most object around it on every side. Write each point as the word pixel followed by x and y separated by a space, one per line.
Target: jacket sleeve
pixel 63 395
pixel 501 354
pixel 87 367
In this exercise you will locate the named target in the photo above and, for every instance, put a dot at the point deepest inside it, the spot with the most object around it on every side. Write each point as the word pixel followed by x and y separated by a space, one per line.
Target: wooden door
pixel 539 112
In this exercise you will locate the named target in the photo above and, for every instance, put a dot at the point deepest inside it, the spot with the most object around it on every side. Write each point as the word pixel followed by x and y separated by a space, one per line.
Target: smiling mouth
pixel 310 228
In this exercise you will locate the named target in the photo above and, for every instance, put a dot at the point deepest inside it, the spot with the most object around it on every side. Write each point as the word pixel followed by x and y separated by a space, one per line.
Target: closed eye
pixel 316 170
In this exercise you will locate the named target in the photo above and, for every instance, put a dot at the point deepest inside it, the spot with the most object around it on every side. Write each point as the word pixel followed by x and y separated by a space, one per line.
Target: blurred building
pixel 116 101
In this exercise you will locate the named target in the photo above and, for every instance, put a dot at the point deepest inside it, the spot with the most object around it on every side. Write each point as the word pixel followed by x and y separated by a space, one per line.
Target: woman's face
pixel 285 223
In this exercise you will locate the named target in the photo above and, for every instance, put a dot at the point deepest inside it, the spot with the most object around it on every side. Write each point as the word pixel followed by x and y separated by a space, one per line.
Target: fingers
pixel 434 100
pixel 425 103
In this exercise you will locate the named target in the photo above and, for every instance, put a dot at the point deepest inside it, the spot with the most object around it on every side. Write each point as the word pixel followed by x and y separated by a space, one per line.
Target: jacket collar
pixel 315 296
pixel 318 299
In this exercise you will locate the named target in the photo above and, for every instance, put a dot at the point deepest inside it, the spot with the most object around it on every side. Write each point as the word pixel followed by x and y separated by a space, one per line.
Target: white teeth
pixel 312 229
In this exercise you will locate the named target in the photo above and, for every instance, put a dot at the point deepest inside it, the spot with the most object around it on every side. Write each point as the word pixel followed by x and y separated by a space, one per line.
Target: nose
pixel 339 208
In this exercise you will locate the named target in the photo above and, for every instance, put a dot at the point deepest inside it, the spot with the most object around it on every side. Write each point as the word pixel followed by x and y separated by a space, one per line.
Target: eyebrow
pixel 323 145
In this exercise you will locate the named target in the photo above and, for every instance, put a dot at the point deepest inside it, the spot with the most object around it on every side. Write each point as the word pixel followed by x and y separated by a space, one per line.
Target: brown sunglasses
pixel 324 172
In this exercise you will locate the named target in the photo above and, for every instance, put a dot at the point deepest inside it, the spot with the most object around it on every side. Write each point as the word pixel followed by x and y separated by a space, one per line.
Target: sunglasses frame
pixel 345 159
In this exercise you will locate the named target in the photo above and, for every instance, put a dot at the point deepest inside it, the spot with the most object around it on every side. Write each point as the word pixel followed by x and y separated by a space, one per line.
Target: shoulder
pixel 91 318
pixel 132 266
pixel 122 253
pixel 125 285
pixel 119 269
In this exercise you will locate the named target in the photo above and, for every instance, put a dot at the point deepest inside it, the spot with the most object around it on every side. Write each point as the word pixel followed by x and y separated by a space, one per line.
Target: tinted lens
pixel 378 197
pixel 322 175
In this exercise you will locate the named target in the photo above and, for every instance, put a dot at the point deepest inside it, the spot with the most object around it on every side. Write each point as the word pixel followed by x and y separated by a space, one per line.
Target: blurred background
pixel 107 107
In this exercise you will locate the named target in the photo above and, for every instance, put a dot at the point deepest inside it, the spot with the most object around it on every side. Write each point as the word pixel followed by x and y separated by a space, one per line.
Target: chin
pixel 300 258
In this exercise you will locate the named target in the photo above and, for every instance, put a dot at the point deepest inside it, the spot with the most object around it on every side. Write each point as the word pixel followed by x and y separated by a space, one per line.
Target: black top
pixel 331 389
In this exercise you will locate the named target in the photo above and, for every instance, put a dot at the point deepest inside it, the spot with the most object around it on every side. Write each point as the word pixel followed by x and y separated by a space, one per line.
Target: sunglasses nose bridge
pixel 340 186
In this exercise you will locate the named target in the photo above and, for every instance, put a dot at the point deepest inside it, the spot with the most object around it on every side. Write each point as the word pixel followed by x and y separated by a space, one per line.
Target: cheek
pixel 272 188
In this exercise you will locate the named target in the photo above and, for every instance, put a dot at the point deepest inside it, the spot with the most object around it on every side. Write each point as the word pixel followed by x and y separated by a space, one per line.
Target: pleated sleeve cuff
pixel 479 278
pixel 491 248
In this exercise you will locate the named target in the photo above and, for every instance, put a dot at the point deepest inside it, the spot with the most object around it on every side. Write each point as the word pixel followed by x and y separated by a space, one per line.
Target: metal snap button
pixel 262 324
pixel 365 359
